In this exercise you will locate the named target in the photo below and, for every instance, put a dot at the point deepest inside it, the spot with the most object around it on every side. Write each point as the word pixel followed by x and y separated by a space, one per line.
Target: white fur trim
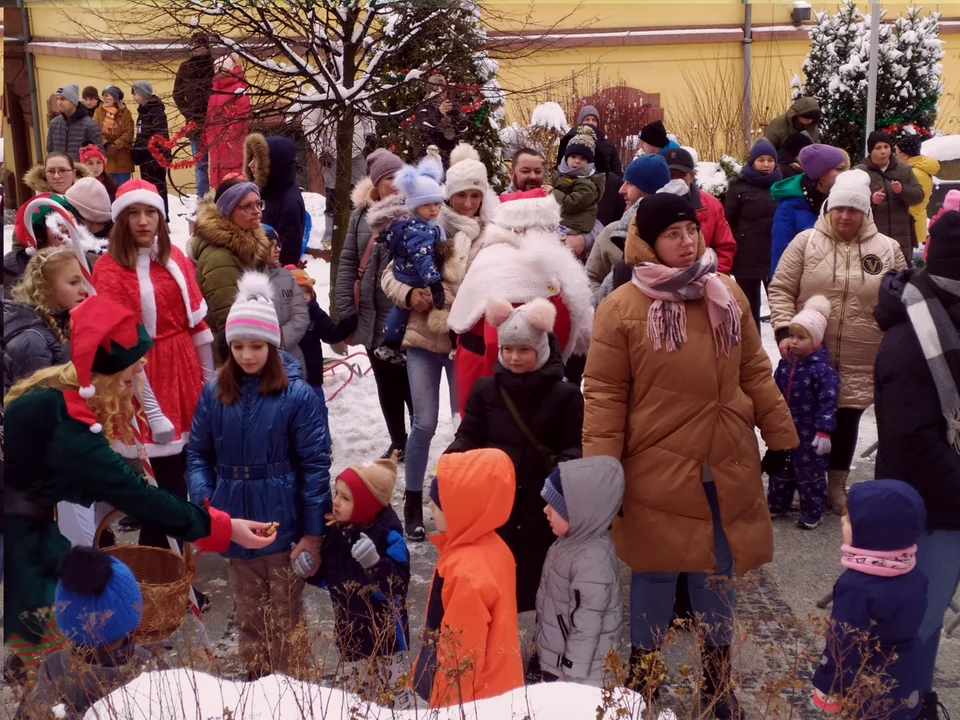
pixel 203 337
pixel 87 391
pixel 96 428
pixel 174 269
pixel 148 301
pixel 519 215
pixel 133 197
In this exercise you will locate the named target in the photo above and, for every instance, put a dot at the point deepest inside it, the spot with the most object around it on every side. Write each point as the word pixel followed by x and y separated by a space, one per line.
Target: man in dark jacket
pixel 151 120
pixel 73 127
pixel 272 164
pixel 895 188
pixel 191 91
pixel 803 116
pixel 916 377
pixel 440 122
pixel 611 205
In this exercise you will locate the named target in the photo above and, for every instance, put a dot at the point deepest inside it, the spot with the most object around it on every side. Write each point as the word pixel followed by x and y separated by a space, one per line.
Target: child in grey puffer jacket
pixel 579 603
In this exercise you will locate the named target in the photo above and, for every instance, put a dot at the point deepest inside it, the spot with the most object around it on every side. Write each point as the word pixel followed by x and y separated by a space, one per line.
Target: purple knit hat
pixel 817 160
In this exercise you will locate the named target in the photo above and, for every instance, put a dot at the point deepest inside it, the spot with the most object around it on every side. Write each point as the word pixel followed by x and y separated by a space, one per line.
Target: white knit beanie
pixel 465 172
pixel 420 184
pixel 91 199
pixel 528 325
pixel 253 315
pixel 813 318
pixel 852 189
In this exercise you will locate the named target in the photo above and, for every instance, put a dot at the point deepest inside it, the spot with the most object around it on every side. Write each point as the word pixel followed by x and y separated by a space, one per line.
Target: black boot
pixel 717 686
pixel 413 516
pixel 646 673
pixel 932 708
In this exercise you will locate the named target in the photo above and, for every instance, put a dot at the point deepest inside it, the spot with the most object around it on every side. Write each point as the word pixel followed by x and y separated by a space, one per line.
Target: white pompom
pixel 96 428
pixel 31 250
pixel 254 285
pixel 87 391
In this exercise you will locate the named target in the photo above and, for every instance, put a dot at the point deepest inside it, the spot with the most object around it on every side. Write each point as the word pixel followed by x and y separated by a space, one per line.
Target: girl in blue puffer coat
pixel 260 449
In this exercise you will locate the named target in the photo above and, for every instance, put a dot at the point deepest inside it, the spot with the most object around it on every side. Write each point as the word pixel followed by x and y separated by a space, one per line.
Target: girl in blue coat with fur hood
pixel 260 448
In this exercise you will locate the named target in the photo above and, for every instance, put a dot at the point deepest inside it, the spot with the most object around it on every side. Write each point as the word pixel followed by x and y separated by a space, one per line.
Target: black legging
pixel 393 389
pixel 751 288
pixel 844 438
pixel 170 473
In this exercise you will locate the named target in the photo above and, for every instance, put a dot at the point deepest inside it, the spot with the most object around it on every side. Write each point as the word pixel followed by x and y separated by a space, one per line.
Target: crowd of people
pixel 599 328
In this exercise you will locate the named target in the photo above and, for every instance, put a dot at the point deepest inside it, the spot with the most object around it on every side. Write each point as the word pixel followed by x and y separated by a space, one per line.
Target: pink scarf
pixel 885 563
pixel 671 288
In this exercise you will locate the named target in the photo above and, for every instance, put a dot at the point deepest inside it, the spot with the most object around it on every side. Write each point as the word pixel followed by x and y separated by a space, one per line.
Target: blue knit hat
pixel 885 515
pixel 552 493
pixel 762 147
pixel 420 185
pixel 649 173
pixel 97 600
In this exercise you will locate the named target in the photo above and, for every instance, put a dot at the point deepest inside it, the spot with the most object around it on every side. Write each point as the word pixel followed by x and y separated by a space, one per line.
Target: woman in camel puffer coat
pixel 675 382
pixel 844 258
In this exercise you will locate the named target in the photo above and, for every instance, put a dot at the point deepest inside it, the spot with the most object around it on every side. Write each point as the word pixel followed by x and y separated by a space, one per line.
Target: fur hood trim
pixel 362 195
pixel 251 247
pixel 255 145
pixel 520 215
pixel 383 212
pixel 37 181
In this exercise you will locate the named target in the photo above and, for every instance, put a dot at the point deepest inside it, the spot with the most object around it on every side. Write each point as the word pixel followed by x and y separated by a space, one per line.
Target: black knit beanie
pixel 658 212
pixel 877 136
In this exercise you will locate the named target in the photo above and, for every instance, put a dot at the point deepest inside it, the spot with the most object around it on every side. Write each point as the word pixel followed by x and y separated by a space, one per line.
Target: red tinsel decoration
pixel 159 146
pixel 923 132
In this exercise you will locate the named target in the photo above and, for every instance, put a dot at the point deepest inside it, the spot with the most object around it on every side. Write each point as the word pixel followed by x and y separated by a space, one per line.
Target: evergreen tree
pixel 918 70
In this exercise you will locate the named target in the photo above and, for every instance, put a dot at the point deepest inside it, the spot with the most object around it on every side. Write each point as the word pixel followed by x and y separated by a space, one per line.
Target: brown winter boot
pixel 837 490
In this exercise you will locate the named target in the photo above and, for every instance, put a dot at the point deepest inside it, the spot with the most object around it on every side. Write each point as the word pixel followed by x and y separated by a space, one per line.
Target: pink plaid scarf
pixel 885 563
pixel 671 288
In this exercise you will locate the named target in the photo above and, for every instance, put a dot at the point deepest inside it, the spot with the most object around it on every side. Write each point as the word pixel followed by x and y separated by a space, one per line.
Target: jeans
pixel 844 438
pixel 712 598
pixel 425 368
pixel 120 178
pixel 938 555
pixel 200 169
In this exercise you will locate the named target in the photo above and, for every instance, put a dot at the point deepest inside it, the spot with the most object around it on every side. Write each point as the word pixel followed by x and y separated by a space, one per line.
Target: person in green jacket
pixel 578 186
pixel 803 116
pixel 59 424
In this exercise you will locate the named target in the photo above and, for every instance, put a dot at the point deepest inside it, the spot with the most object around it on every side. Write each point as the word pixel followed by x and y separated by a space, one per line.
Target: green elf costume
pixel 56 451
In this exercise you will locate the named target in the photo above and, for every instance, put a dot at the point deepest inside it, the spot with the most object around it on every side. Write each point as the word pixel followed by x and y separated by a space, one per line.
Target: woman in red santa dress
pixel 521 258
pixel 144 272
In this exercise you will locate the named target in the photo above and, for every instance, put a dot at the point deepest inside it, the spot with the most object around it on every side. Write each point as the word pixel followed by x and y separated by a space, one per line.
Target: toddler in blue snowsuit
pixel 878 605
pixel 412 242
pixel 810 386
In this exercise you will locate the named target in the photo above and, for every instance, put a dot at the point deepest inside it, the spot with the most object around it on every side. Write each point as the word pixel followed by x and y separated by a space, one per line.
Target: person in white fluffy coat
pixel 520 258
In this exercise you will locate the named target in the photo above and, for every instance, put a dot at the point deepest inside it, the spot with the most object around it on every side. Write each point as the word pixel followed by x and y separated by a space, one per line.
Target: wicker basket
pixel 164 579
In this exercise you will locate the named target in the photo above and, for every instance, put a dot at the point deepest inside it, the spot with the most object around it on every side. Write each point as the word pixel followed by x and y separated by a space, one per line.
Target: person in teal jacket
pixel 59 424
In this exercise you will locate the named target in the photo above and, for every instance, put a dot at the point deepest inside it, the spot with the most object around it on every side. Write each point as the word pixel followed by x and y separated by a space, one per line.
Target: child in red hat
pixel 96 162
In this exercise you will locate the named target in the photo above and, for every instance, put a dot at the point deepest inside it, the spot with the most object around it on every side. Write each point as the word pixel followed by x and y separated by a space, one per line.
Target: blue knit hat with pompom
pixel 420 184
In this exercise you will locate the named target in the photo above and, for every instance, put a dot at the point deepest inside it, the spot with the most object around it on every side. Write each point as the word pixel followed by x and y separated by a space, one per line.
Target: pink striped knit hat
pixel 253 316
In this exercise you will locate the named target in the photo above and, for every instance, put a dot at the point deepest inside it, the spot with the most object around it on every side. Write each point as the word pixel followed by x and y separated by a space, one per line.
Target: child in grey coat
pixel 579 603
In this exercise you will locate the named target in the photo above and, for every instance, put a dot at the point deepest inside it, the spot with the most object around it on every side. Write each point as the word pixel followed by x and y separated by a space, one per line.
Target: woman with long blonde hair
pixel 59 425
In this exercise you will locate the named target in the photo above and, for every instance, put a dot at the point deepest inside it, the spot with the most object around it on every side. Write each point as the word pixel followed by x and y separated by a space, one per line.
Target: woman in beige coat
pixel 843 258
pixel 675 382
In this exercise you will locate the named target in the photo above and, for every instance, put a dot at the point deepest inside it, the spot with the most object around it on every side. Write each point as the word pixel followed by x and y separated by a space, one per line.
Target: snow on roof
pixel 942 148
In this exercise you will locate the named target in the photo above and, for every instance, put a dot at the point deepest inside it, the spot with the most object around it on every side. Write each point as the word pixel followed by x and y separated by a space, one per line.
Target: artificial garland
pixel 159 146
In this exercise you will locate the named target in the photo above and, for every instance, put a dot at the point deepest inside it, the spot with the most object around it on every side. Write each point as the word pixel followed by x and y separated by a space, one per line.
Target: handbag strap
pixel 525 429
pixel 365 259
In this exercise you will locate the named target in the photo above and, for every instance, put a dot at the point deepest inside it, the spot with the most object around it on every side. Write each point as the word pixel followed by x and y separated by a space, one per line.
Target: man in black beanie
pixel 654 139
pixel 917 374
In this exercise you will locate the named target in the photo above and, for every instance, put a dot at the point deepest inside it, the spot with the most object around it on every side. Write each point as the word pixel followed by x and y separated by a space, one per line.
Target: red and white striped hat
pixel 134 192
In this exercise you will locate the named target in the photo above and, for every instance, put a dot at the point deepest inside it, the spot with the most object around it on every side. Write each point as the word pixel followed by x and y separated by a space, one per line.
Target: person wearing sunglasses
pixel 228 240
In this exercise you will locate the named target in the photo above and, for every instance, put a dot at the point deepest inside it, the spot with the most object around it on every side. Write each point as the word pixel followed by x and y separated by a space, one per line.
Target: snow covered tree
pixel 917 71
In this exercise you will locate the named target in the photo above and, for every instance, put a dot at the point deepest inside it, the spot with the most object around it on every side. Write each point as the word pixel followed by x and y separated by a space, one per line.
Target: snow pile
pixel 942 148
pixel 549 115
pixel 187 695
pixel 714 178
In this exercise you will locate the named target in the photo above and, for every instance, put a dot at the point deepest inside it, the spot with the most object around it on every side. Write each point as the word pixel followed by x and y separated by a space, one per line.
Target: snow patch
pixel 550 115
pixel 942 148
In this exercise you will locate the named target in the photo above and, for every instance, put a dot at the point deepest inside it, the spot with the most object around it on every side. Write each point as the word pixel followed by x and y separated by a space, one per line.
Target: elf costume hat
pixel 105 338
pixel 133 192
pixel 37 212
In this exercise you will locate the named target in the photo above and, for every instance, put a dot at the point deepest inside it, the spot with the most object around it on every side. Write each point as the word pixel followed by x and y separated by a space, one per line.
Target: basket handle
pixel 189 556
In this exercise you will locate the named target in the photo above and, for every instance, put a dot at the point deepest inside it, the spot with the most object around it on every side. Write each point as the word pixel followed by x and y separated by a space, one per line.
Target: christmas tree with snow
pixel 837 68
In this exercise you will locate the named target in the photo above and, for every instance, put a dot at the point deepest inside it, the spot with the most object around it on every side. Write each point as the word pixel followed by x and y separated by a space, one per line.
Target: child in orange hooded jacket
pixel 471 618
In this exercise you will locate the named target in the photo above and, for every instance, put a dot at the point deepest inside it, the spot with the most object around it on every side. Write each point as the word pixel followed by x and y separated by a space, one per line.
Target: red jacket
pixel 716 231
pixel 228 120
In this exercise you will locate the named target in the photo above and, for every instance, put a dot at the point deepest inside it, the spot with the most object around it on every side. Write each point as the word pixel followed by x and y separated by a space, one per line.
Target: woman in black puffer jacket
pixel 749 209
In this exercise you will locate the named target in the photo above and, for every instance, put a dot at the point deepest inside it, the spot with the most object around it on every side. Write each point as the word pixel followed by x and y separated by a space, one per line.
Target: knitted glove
pixel 438 297
pixel 774 462
pixel 821 444
pixel 302 564
pixel 161 428
pixel 365 552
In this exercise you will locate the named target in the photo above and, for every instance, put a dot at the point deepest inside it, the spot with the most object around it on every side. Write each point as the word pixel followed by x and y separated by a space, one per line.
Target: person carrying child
pixel 322 329
pixel 366 566
pixel 260 448
pixel 97 606
pixel 878 604
pixel 810 386
pixel 414 243
pixel 580 603
pixel 578 186
pixel 471 643
pixel 527 410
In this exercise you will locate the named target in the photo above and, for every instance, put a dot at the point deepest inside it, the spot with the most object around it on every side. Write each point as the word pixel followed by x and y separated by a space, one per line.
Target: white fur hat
pixel 528 325
pixel 465 172
pixel 852 189
pixel 528 213
pixel 813 318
